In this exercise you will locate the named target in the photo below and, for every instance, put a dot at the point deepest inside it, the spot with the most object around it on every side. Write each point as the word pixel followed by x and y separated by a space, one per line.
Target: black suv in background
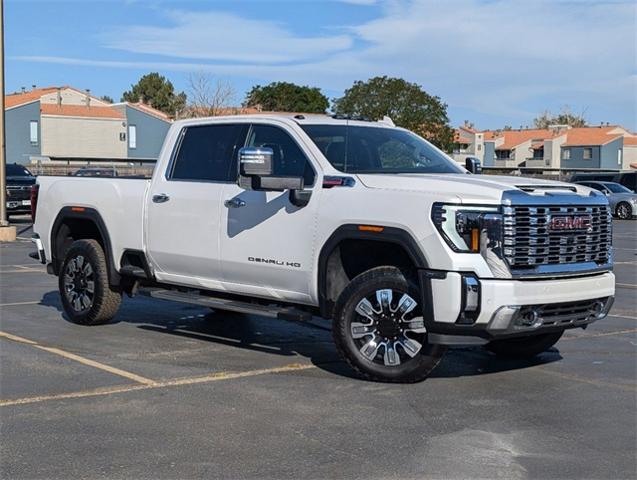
pixel 19 181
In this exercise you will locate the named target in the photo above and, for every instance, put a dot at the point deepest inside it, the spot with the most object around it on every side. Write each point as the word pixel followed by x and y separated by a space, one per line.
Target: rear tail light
pixel 34 200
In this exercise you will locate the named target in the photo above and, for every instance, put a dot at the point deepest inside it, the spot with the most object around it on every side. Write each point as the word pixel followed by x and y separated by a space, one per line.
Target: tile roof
pixel 149 110
pixel 589 136
pixel 630 141
pixel 15 99
pixel 80 111
pixel 513 138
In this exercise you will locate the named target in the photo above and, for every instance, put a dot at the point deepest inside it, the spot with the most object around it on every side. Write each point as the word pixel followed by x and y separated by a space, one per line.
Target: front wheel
pixel 624 211
pixel 379 330
pixel 87 296
pixel 524 347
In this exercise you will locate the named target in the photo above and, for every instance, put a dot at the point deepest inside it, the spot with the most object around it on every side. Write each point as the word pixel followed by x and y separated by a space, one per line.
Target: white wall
pixel 70 97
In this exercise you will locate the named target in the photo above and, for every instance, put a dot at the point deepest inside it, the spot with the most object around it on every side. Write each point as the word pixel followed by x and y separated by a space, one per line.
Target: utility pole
pixel 7 233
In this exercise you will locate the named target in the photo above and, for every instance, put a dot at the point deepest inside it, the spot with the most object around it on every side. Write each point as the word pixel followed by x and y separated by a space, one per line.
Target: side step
pixel 133 271
pixel 283 313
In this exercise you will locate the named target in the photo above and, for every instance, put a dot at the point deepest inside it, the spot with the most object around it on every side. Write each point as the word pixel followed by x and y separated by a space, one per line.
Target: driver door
pixel 267 243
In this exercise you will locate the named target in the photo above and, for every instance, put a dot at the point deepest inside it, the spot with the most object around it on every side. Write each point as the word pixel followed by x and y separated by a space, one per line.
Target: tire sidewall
pixel 90 254
pixel 415 368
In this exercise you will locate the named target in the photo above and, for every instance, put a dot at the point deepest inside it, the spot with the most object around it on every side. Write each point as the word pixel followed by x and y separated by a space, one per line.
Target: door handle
pixel 160 198
pixel 235 203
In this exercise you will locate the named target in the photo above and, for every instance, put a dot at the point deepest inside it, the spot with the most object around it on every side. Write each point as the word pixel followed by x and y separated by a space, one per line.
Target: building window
pixel 33 132
pixel 566 154
pixel 503 154
pixel 588 153
pixel 132 136
pixel 538 153
pixel 619 157
pixel 479 147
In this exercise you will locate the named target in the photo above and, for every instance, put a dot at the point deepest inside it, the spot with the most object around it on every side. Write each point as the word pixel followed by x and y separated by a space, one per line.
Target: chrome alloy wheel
pixel 388 332
pixel 79 283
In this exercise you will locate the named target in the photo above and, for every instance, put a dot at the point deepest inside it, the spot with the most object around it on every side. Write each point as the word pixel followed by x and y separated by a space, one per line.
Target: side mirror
pixel 255 171
pixel 473 165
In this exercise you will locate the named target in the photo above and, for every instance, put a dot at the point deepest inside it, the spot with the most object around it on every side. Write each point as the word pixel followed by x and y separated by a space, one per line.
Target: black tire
pixel 102 303
pixel 412 367
pixel 524 347
pixel 624 211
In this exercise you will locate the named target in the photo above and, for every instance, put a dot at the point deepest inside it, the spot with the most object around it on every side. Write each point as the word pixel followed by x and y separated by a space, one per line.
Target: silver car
pixel 622 201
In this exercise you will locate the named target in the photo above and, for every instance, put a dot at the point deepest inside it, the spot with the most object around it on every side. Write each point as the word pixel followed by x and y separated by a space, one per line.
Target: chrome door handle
pixel 235 203
pixel 160 198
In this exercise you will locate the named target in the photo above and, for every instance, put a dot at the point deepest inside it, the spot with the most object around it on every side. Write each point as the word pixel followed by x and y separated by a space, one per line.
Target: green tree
pixel 565 117
pixel 287 97
pixel 107 99
pixel 407 104
pixel 157 91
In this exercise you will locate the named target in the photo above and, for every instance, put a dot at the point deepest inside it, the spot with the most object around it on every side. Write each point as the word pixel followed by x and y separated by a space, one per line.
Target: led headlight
pixel 461 225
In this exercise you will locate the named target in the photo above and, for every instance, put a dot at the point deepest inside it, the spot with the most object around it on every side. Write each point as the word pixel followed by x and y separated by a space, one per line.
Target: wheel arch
pixel 75 223
pixel 389 246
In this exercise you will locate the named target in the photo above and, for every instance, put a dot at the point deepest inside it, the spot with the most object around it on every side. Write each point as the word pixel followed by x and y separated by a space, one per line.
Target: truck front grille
pixel 18 192
pixel 531 239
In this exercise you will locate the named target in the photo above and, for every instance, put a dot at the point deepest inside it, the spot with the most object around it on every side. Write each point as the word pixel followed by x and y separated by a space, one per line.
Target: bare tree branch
pixel 208 96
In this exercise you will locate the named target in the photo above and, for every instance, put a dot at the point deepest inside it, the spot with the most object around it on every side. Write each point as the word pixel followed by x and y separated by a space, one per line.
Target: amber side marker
pixel 370 228
pixel 475 240
pixel 77 209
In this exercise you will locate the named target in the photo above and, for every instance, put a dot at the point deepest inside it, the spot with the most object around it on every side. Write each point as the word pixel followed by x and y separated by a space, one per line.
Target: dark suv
pixel 19 182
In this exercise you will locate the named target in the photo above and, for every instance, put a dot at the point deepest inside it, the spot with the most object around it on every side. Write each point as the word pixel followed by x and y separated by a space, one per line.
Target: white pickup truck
pixel 360 222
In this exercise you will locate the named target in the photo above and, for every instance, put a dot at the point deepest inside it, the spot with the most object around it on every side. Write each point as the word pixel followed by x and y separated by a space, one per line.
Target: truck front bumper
pixel 460 308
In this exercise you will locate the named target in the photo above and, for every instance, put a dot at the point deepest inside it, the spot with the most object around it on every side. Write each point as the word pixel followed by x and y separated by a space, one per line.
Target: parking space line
pixel 575 378
pixel 214 377
pixel 626 285
pixel 34 302
pixel 605 334
pixel 25 270
pixel 82 360
pixel 623 316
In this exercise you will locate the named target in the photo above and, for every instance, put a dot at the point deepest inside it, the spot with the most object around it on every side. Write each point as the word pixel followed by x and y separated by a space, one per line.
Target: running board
pixel 283 313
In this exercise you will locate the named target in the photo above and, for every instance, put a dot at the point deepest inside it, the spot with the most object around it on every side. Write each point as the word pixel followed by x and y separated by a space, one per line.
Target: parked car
pixel 627 179
pixel 19 182
pixel 95 172
pixel 360 222
pixel 622 201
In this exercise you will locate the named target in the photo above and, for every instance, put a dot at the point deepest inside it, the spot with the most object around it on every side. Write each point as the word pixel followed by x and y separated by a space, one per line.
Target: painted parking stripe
pixel 626 285
pixel 34 302
pixel 215 377
pixel 82 360
pixel 605 334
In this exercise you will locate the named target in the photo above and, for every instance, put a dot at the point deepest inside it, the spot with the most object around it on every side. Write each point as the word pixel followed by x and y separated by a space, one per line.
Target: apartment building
pixel 64 124
pixel 559 146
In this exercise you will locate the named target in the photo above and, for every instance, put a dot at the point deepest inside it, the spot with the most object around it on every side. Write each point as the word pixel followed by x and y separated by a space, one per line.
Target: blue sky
pixel 493 62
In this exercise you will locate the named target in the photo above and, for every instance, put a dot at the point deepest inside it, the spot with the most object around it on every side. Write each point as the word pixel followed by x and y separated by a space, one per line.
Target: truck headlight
pixel 461 225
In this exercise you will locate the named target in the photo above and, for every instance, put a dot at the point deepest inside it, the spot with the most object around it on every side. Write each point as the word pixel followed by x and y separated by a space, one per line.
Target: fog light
pixel 529 319
pixel 472 294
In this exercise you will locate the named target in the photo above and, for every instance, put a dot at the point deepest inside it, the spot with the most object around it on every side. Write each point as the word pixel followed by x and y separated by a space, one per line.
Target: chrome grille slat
pixel 528 242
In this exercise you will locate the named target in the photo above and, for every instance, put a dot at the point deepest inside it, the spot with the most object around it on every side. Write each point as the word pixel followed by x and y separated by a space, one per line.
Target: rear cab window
pixel 207 153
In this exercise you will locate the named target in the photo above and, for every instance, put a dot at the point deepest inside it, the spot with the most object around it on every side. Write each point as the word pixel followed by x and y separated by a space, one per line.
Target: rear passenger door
pixel 183 220
pixel 267 244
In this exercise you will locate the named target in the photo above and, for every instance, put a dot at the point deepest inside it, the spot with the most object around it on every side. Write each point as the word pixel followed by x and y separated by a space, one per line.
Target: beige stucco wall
pixel 70 97
pixel 629 156
pixel 82 137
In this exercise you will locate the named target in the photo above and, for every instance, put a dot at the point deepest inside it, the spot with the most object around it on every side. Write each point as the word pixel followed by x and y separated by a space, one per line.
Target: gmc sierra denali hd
pixel 360 222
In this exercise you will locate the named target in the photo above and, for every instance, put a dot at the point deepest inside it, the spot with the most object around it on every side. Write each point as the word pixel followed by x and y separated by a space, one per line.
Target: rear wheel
pixel 87 297
pixel 524 347
pixel 379 329
pixel 624 211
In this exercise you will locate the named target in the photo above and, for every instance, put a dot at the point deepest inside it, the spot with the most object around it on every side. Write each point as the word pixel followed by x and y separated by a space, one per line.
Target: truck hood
pixel 471 188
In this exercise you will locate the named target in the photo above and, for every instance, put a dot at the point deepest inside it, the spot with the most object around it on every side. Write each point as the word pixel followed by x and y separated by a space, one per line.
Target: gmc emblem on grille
pixel 571 222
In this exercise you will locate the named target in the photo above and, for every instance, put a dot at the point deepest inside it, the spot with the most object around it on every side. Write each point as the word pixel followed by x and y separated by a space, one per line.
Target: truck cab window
pixel 289 160
pixel 206 153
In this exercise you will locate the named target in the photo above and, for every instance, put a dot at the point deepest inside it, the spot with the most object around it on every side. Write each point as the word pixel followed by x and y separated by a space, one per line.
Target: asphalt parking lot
pixel 178 391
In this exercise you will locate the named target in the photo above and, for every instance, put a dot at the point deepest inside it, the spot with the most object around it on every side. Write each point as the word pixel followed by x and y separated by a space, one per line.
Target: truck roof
pixel 299 118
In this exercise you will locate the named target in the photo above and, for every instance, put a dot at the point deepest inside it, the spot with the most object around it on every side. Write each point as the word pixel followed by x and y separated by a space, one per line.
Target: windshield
pixel 14 170
pixel 378 150
pixel 616 188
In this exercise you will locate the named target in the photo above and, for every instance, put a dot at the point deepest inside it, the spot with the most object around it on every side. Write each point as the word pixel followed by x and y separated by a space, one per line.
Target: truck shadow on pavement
pixel 311 340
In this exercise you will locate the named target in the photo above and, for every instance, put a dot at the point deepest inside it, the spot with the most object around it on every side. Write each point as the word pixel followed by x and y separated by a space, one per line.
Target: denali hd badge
pixel 272 261
pixel 571 223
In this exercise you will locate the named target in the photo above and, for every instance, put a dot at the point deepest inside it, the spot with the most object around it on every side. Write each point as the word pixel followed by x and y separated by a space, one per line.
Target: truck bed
pixel 119 201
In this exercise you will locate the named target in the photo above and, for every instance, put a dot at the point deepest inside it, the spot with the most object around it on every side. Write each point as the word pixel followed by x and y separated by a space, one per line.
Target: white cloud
pixel 220 36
